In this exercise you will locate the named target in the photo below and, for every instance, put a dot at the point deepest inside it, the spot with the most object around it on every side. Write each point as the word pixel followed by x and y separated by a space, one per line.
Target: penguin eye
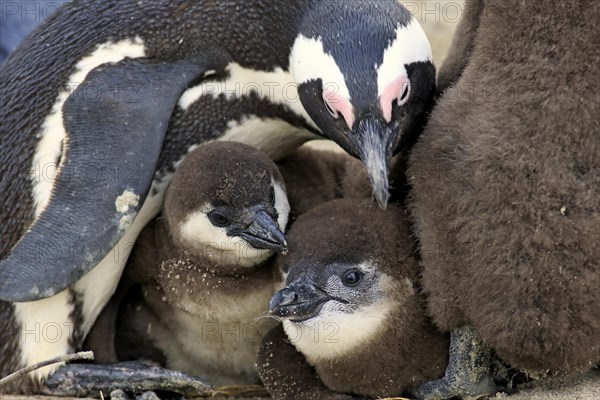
pixel 218 219
pixel 404 97
pixel 327 96
pixel 352 277
pixel 272 195
pixel 333 113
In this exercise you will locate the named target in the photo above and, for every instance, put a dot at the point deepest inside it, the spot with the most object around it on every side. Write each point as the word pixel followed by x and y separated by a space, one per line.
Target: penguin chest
pixel 218 338
pixel 258 108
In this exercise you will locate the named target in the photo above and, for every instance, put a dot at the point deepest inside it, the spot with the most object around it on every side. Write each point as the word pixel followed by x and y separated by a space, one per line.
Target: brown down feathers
pixel 505 184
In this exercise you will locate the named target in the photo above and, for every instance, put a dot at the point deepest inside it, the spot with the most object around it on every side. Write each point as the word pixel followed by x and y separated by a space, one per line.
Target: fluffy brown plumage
pixel 192 296
pixel 505 184
pixel 314 176
pixel 149 288
pixel 402 348
pixel 145 309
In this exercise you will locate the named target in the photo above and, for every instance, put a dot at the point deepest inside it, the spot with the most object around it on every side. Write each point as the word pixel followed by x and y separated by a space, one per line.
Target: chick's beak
pixel 298 301
pixel 263 232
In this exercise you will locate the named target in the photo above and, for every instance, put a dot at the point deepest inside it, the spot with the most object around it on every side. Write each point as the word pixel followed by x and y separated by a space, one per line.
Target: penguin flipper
pixel 86 380
pixel 116 121
pixel 468 373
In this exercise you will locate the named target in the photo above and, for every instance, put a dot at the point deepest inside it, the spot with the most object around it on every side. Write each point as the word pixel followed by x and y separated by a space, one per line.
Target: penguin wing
pixel 116 121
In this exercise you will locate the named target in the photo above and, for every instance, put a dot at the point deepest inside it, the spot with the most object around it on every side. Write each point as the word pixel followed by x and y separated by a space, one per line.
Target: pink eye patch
pixel 397 90
pixel 337 104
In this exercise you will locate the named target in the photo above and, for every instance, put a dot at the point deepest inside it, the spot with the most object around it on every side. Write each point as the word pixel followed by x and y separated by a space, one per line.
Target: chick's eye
pixel 218 219
pixel 352 277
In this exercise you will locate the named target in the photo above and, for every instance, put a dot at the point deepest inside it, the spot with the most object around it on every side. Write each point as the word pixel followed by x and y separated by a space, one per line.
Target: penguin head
pixel 365 76
pixel 334 290
pixel 227 200
pixel 346 268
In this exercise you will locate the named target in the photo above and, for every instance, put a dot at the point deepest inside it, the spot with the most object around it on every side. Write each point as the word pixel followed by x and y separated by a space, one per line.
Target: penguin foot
pixel 85 380
pixel 469 370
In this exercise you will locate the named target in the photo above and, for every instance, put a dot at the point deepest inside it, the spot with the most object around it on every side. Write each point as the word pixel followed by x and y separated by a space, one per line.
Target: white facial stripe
pixel 411 45
pixel 53 134
pixel 277 86
pixel 198 229
pixel 207 240
pixel 281 205
pixel 275 137
pixel 308 61
pixel 335 333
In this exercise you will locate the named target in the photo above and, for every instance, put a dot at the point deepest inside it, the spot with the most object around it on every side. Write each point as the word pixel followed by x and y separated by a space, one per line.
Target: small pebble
pixel 118 394
pixel 147 396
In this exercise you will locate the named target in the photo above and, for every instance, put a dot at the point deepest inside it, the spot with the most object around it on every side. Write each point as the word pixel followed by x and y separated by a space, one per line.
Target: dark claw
pixel 87 380
pixel 468 373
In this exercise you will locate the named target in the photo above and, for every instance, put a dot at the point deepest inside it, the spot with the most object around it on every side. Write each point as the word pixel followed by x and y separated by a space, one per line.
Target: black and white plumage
pixel 138 84
pixel 19 19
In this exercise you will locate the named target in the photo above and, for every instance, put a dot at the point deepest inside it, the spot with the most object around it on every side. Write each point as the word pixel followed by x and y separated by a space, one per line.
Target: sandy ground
pixel 585 387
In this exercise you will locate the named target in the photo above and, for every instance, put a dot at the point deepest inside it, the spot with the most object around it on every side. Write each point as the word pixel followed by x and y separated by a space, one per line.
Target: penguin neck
pixel 195 301
pixel 190 274
pixel 224 254
pixel 405 348
pixel 222 263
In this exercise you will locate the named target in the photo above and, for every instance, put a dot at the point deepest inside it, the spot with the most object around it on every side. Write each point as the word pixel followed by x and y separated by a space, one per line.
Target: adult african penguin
pixel 103 100
pixel 198 280
pixel 505 192
pixel 354 319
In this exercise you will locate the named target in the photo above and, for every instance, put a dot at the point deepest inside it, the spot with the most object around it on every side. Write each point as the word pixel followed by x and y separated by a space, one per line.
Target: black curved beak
pixel 298 301
pixel 263 232
pixel 376 143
